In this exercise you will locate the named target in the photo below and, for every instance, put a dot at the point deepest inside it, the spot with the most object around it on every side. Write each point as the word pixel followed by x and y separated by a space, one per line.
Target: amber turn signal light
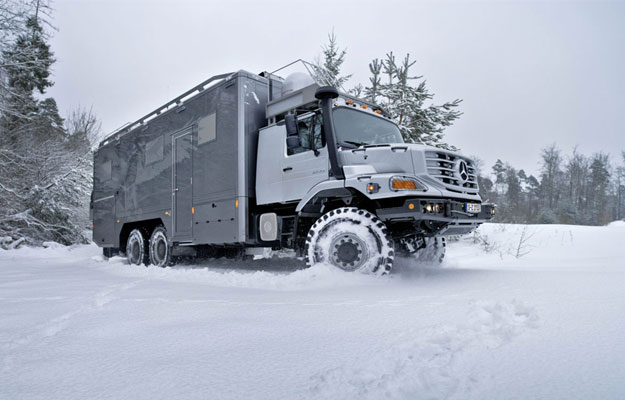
pixel 397 183
pixel 403 184
pixel 373 188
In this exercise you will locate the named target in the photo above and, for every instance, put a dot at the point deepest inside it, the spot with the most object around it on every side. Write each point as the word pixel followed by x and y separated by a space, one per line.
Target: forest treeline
pixel 570 189
pixel 45 160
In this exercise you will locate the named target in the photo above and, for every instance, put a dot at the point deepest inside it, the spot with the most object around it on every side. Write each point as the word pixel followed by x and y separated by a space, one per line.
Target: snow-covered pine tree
pixel 44 174
pixel 25 69
pixel 410 104
pixel 327 70
pixel 12 16
pixel 391 86
pixel 372 92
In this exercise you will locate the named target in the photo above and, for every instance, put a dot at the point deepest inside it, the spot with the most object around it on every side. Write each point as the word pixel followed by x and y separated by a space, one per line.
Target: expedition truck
pixel 245 161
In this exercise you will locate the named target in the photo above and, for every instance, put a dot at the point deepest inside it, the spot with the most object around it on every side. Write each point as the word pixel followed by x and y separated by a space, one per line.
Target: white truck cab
pixel 324 150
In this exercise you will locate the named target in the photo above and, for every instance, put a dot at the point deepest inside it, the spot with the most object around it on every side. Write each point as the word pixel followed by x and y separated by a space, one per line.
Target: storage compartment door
pixel 103 221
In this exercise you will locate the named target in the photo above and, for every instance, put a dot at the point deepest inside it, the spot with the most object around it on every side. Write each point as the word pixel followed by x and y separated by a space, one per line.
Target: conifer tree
pixel 391 85
pixel 499 171
pixel 26 70
pixel 599 181
pixel 44 177
pixel 409 105
pixel 328 70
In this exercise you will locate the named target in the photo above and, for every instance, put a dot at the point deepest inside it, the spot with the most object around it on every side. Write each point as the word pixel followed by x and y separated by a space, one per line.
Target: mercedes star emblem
pixel 463 172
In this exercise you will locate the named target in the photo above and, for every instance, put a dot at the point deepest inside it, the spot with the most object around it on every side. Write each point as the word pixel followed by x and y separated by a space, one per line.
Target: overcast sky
pixel 529 73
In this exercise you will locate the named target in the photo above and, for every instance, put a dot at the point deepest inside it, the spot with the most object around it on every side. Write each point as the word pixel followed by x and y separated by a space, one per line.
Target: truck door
pixel 104 198
pixel 301 167
pixel 182 143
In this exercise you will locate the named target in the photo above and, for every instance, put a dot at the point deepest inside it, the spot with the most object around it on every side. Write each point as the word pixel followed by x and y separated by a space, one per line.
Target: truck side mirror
pixel 293 142
pixel 290 120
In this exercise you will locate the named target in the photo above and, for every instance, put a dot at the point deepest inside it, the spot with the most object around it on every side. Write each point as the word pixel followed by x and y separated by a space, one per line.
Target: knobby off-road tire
pixel 351 239
pixel 433 252
pixel 137 248
pixel 160 251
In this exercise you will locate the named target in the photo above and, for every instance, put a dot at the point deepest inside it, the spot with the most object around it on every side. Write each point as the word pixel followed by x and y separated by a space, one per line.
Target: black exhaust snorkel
pixel 326 94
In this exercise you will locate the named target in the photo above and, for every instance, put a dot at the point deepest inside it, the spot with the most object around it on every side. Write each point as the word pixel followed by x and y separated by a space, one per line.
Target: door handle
pixel 175 190
pixel 287 169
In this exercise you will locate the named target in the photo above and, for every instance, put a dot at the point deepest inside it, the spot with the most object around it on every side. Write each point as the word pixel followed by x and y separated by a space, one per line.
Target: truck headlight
pixel 398 183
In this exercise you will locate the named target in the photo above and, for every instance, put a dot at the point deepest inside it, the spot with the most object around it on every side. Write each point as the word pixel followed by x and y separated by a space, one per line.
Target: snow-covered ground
pixel 549 324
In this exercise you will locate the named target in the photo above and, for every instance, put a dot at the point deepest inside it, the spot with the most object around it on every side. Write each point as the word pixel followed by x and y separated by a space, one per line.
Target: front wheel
pixel 352 240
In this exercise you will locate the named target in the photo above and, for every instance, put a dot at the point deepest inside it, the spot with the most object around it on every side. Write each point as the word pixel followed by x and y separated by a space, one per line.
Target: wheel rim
pixel 134 252
pixel 161 250
pixel 158 249
pixel 348 251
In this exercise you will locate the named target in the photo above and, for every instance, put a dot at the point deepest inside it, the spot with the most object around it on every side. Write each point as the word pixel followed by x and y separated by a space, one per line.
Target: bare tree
pixel 83 127
pixel 523 248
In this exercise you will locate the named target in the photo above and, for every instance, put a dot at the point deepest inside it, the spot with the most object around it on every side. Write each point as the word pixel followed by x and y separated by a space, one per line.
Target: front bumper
pixel 451 213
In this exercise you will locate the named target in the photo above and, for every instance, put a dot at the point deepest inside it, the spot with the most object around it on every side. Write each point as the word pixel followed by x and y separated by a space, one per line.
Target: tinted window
pixel 154 150
pixel 207 129
pixel 310 132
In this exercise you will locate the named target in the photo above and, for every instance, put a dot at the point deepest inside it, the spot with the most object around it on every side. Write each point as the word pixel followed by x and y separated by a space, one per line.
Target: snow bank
pixel 240 276
pixel 284 274
pixel 539 246
pixel 545 321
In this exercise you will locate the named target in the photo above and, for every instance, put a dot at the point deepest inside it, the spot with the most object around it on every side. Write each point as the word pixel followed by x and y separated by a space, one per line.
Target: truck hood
pixel 452 173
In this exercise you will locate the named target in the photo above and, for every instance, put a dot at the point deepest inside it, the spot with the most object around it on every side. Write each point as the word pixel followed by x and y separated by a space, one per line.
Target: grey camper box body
pixel 190 166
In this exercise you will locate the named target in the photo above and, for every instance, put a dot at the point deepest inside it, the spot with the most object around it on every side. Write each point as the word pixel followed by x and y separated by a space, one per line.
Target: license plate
pixel 473 208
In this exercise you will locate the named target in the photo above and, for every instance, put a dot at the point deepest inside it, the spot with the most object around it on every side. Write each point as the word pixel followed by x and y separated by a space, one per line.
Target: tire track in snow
pixel 421 363
pixel 55 325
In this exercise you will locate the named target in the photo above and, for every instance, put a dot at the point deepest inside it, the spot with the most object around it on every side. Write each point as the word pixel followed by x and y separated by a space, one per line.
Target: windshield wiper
pixel 356 143
pixel 347 145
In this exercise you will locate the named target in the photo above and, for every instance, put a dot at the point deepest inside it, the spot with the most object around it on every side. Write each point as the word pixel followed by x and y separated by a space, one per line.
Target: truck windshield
pixel 357 128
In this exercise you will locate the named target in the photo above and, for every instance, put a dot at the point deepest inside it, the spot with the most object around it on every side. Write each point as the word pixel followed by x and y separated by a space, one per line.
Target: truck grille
pixel 447 168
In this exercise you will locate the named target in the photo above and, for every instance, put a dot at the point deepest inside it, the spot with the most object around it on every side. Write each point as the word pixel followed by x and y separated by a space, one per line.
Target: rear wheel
pixel 137 248
pixel 160 251
pixel 352 240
